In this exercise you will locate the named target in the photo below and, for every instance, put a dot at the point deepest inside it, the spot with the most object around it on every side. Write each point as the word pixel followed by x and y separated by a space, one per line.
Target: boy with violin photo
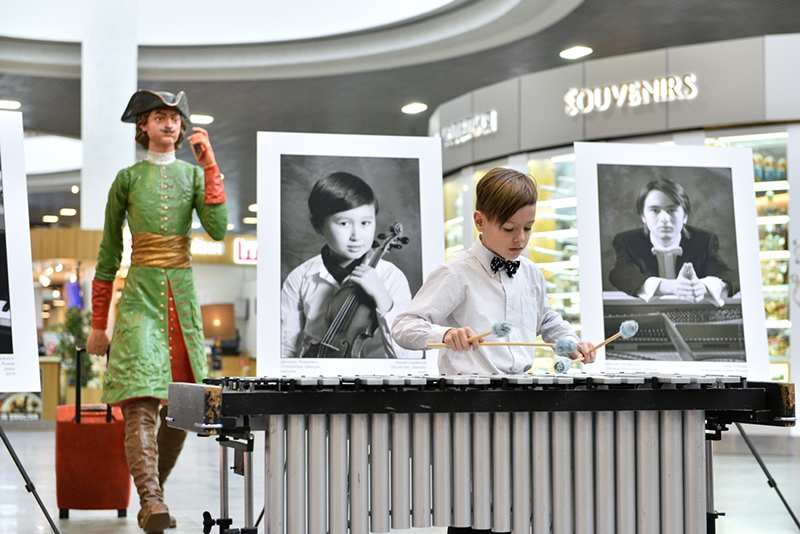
pixel 341 303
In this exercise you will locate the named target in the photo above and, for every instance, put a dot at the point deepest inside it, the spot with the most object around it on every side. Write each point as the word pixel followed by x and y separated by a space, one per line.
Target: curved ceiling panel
pixel 452 29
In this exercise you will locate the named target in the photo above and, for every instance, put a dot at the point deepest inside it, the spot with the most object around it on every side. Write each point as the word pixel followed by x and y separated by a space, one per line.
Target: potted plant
pixel 73 332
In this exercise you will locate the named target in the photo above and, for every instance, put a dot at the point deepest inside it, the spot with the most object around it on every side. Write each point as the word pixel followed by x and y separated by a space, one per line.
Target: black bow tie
pixel 510 266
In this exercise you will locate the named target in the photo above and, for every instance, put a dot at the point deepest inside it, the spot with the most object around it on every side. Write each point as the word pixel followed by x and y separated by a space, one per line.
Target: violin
pixel 351 312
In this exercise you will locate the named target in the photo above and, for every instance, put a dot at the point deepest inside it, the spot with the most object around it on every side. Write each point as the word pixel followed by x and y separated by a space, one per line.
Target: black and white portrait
pixel 19 357
pixel 351 254
pixel 351 225
pixel 669 261
pixel 6 345
pixel 665 239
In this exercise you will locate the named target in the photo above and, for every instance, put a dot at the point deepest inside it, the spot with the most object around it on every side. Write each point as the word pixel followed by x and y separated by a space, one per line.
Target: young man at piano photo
pixel 158 331
pixel 488 283
pixel 341 303
pixel 667 257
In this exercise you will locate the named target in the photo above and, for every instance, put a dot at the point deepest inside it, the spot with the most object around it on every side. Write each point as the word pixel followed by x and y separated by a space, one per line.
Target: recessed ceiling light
pixel 576 52
pixel 250 220
pixel 68 212
pixel 230 226
pixel 50 218
pixel 414 108
pixel 201 119
pixel 9 104
pixel 195 224
pixel 75 189
pixel 253 208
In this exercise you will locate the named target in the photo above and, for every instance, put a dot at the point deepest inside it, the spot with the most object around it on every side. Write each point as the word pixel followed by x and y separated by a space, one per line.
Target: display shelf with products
pixel 770 172
pixel 554 239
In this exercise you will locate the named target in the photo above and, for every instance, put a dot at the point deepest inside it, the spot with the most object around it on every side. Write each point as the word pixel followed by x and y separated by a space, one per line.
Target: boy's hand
pixel 368 279
pixel 456 339
pixel 585 349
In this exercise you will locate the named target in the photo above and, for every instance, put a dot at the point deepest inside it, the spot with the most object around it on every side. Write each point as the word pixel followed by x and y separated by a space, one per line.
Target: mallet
pixel 627 330
pixel 563 347
pixel 499 329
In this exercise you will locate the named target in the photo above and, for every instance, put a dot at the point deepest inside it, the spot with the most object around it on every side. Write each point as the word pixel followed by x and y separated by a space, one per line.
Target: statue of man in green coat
pixel 158 331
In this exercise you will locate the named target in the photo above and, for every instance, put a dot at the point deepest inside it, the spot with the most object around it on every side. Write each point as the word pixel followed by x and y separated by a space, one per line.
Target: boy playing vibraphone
pixel 489 282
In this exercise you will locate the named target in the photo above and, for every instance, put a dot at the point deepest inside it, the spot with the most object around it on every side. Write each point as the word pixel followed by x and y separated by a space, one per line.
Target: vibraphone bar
pixel 540 453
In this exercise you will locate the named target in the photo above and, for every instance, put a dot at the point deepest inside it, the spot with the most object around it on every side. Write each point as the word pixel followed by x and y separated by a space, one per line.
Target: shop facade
pixel 736 93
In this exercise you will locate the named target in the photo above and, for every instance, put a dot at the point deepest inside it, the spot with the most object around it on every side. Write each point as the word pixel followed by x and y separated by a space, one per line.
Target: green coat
pixel 158 199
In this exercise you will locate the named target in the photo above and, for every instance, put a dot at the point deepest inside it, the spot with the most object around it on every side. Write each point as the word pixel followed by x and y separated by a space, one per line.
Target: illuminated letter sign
pixel 631 94
pixel 245 251
pixel 201 247
pixel 470 128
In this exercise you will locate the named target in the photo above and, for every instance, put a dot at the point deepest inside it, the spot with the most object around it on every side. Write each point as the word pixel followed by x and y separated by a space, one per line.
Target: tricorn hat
pixel 145 100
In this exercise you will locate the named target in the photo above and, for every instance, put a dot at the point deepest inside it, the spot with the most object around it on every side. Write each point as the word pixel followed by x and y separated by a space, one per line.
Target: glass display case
pixel 772 200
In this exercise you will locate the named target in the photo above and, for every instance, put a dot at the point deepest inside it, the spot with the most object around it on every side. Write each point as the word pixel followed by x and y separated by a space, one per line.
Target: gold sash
pixel 165 251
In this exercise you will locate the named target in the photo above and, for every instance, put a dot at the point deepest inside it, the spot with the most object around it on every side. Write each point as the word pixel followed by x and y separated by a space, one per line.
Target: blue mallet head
pixel 628 329
pixel 561 365
pixel 501 329
pixel 565 345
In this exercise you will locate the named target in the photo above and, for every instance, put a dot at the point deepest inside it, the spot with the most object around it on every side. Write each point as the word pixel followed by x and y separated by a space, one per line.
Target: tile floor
pixel 741 488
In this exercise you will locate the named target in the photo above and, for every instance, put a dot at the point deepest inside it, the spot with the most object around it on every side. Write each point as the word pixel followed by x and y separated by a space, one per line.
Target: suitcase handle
pixel 79 350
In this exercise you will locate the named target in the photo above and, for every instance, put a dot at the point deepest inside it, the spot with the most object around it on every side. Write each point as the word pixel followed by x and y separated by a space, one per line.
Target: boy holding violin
pixel 488 283
pixel 341 303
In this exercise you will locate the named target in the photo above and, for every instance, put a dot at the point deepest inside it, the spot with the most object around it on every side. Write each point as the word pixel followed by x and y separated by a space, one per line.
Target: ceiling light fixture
pixel 68 212
pixel 201 119
pixel 576 52
pixel 10 104
pixel 250 220
pixel 50 218
pixel 230 226
pixel 253 208
pixel 195 224
pixel 414 108
pixel 75 189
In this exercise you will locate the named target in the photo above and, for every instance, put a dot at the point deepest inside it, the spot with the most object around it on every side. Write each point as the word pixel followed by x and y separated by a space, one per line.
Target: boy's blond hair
pixel 502 192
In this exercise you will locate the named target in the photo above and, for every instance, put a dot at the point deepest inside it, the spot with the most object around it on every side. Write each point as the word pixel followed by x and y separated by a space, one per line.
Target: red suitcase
pixel 91 469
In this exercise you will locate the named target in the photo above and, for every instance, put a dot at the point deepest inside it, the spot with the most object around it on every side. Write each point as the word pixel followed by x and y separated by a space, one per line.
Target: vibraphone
pixel 540 453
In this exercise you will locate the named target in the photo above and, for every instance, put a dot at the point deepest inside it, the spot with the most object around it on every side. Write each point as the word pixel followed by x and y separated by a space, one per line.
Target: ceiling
pixel 363 94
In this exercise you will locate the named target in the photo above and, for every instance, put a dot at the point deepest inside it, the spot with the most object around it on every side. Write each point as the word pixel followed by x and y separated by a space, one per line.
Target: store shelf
pixel 772 219
pixel 778 324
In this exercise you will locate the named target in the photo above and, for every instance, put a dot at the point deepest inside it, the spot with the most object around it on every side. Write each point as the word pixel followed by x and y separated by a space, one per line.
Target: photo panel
pixel 19 355
pixel 350 226
pixel 665 235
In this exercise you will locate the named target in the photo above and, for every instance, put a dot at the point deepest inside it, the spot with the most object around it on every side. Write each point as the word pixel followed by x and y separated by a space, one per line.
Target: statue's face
pixel 663 217
pixel 163 127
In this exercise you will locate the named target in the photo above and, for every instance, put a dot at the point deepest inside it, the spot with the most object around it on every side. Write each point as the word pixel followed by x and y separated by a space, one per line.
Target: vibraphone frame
pixel 234 407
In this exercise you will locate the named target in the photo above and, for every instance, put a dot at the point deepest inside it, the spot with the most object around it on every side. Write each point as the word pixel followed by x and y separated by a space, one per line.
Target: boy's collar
pixel 483 254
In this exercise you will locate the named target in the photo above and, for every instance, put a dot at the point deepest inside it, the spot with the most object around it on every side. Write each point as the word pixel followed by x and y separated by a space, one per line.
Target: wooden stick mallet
pixel 499 329
pixel 502 343
pixel 627 330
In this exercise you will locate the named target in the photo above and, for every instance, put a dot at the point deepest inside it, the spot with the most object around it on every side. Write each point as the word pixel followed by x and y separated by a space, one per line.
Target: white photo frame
pixel 405 174
pixel 719 182
pixel 19 369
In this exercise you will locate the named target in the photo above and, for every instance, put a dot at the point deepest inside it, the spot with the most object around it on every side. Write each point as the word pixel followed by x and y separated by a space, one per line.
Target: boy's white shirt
pixel 464 292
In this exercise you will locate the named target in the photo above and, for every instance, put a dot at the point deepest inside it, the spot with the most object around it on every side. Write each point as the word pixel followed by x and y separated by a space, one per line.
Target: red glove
pixel 215 190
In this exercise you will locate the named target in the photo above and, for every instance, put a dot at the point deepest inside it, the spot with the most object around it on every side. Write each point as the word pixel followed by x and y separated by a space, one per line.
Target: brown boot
pixel 170 443
pixel 141 450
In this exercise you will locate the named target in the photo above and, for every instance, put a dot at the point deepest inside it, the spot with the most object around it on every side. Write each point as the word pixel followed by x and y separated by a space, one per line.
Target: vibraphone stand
pixel 242 465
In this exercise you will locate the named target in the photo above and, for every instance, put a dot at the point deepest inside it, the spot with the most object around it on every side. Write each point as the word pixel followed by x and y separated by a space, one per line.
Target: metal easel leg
pixel 28 482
